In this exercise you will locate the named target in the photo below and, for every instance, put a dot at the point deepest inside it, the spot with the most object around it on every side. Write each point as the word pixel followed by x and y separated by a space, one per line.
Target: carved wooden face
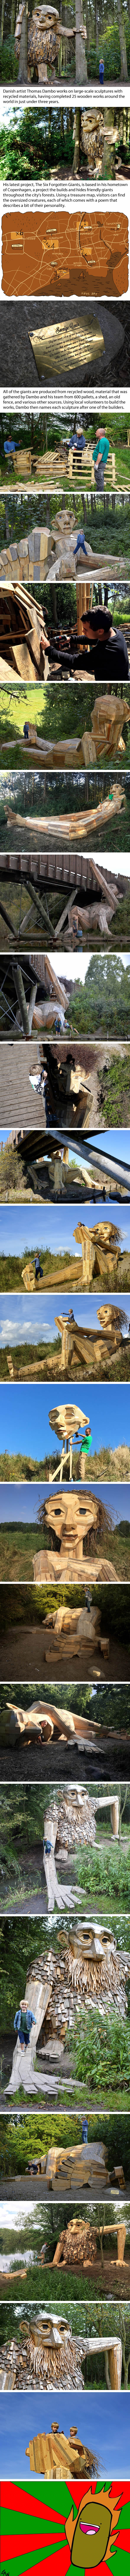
pixel 91 2532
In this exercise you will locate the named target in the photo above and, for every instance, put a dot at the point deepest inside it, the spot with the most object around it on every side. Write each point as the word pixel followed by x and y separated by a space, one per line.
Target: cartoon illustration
pixel 84 2527
pixel 90 2532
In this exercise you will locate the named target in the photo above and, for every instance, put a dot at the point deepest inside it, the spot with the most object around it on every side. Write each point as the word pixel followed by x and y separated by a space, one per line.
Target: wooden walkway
pixel 17 1060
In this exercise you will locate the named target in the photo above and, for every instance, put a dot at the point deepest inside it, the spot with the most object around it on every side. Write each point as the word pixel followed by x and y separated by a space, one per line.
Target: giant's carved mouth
pixel 90 2528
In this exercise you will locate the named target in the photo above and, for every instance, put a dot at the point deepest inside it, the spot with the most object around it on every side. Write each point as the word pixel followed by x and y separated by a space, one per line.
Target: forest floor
pixel 28 1760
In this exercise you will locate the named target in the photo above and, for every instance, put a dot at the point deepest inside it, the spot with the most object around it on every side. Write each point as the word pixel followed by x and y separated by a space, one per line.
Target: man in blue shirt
pixel 100 453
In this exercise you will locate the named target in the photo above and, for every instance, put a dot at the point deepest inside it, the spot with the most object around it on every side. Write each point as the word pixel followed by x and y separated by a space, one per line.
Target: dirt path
pixel 22 1654
pixel 34 1761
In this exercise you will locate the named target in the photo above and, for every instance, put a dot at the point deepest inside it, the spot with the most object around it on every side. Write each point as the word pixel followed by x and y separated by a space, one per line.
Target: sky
pixel 21 1502
pixel 114 1141
pixel 27 1319
pixel 77 967
pixel 16 2215
pixel 24 1228
pixel 24 1418
pixel 104 2428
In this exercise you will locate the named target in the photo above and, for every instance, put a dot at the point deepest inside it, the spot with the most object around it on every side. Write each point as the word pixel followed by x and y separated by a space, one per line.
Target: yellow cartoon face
pixel 90 2534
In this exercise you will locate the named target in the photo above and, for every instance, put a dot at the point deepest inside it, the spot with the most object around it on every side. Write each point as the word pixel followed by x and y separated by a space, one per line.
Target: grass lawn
pixel 53 1266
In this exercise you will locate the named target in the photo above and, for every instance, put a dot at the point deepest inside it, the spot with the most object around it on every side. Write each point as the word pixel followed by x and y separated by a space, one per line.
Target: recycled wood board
pixel 57 467
pixel 64 252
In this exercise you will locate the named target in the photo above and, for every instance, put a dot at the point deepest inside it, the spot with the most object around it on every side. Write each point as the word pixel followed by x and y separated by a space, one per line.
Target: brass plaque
pixel 64 346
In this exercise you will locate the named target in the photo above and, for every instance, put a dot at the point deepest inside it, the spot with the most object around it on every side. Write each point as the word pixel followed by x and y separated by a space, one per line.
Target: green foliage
pixel 101 2054
pixel 103 1002
pixel 109 48
pixel 115 1092
pixel 105 1875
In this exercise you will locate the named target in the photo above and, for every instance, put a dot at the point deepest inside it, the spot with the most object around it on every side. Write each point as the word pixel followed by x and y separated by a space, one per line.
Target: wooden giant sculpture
pixel 100 1246
pixel 71 827
pixel 87 1965
pixel 79 751
pixel 74 1637
pixel 74 1825
pixel 44 1719
pixel 58 2455
pixel 50 553
pixel 67 1420
pixel 55 2355
pixel 78 2246
pixel 70 1520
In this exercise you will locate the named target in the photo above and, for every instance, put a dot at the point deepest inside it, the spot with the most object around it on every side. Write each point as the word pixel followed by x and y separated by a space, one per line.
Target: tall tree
pixel 123 54
pixel 23 56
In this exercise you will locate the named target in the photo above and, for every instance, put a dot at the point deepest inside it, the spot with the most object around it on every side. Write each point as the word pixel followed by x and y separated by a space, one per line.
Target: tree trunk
pixel 31 1006
pixel 76 160
pixel 79 43
pixel 7 523
pixel 53 602
pixel 2 23
pixel 84 510
pixel 18 981
pixel 23 57
pixel 123 54
pixel 12 23
pixel 124 127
